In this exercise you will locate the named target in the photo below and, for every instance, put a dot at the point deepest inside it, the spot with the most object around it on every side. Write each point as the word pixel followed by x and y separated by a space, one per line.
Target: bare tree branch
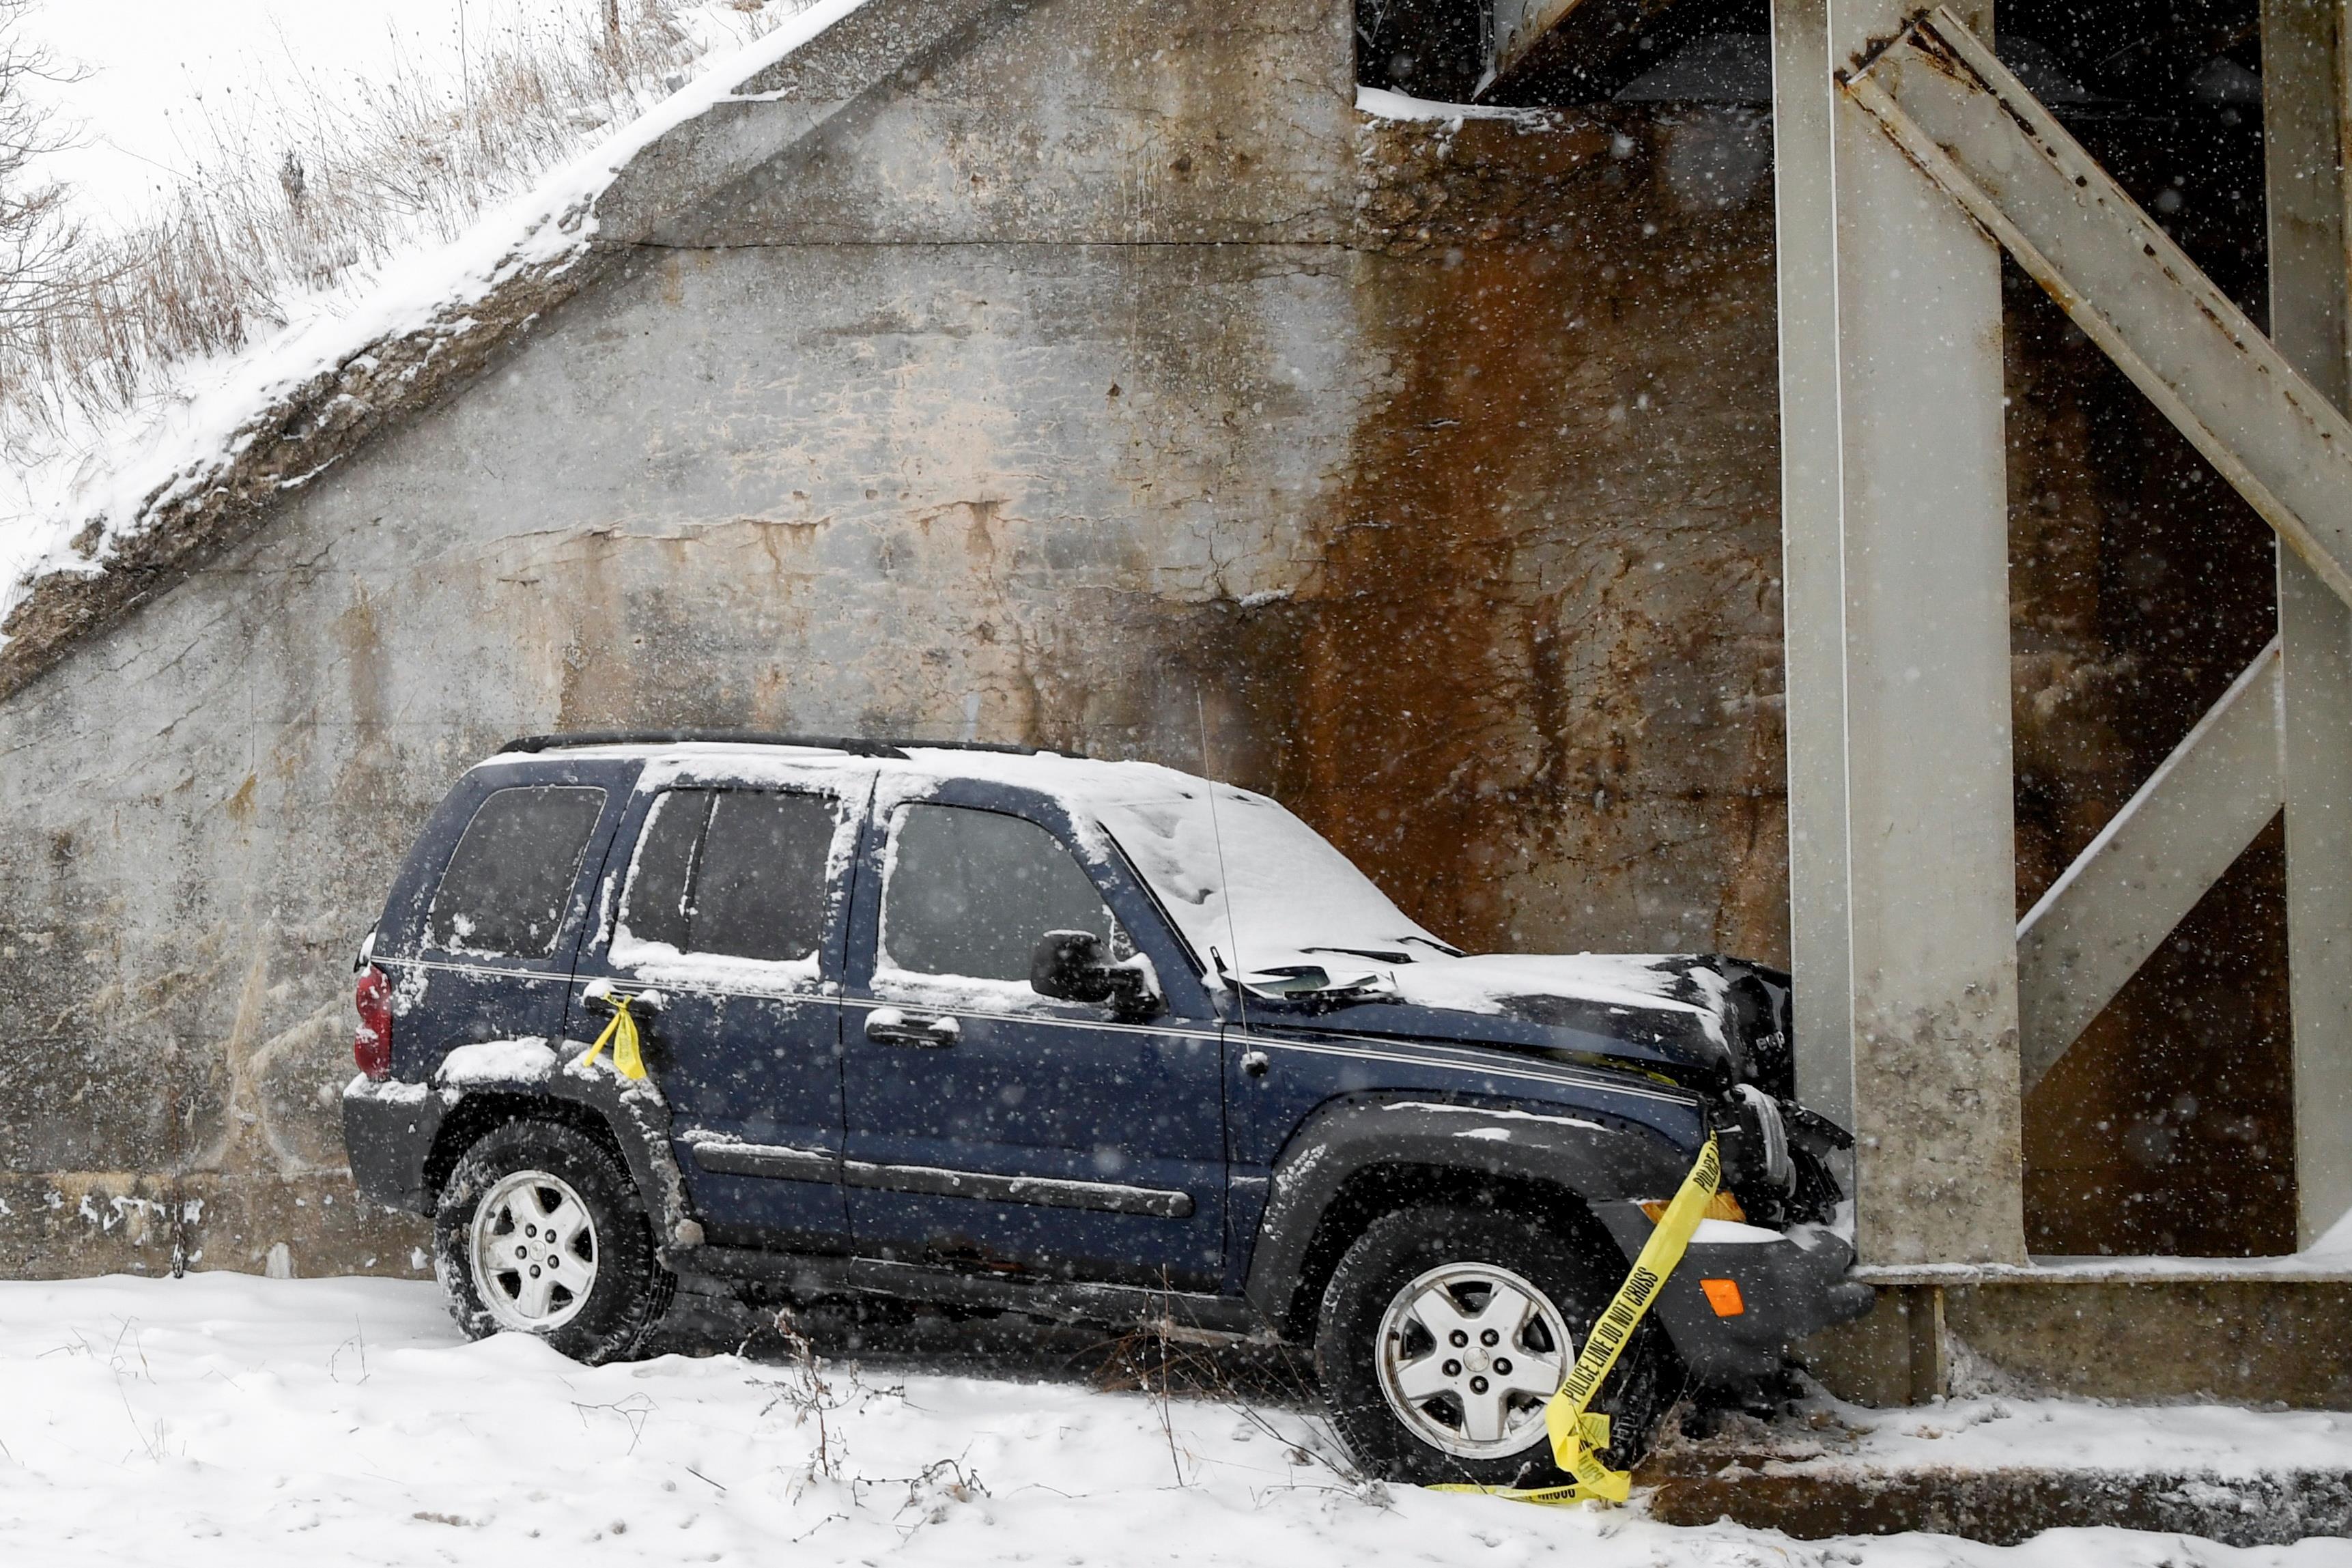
pixel 36 236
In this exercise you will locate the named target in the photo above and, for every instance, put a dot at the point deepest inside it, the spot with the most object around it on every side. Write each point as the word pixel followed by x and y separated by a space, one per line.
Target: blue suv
pixel 1099 1041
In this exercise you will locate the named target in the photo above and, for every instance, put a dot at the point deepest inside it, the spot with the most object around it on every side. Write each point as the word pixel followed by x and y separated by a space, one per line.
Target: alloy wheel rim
pixel 1467 1356
pixel 534 1251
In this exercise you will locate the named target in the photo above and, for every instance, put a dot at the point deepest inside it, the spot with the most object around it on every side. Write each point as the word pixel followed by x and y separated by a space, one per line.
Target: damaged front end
pixel 1717 1027
pixel 1776 1157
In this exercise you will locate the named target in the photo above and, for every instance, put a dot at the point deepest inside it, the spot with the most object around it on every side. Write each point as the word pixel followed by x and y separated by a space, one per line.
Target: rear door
pixel 479 945
pixel 987 1124
pixel 733 906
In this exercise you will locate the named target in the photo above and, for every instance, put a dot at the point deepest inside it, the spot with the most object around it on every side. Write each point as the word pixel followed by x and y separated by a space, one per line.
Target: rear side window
pixel 507 886
pixel 971 892
pixel 740 874
pixel 655 909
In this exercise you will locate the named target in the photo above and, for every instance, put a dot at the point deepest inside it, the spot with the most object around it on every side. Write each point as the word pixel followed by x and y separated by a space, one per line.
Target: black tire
pixel 629 1290
pixel 1579 1276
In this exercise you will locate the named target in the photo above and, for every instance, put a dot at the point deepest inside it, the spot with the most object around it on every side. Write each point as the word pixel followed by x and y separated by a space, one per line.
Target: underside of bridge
pixel 2068 895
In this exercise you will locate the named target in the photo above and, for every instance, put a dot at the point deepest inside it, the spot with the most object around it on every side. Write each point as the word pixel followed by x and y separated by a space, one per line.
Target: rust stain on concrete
pixel 1532 691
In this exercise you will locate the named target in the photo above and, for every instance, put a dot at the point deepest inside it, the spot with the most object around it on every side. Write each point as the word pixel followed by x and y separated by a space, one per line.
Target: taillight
pixel 371 1047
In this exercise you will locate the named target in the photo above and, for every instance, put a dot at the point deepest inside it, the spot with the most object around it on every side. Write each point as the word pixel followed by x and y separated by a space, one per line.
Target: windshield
pixel 1283 900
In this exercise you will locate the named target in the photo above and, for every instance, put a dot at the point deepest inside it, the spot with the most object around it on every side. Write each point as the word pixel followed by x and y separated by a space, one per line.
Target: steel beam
pixel 2303 141
pixel 1519 25
pixel 1896 610
pixel 2148 867
pixel 2267 416
pixel 1958 113
pixel 1812 560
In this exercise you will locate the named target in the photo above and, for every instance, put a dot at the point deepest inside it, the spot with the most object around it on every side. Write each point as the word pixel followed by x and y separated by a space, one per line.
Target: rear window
pixel 507 884
pixel 741 873
pixel 655 909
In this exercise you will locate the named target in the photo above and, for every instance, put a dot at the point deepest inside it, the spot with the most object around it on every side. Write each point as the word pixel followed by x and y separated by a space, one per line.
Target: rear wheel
pixel 540 1231
pixel 1445 1330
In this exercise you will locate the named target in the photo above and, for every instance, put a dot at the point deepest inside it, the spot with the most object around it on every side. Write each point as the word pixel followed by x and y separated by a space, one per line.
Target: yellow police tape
pixel 1577 1438
pixel 622 1034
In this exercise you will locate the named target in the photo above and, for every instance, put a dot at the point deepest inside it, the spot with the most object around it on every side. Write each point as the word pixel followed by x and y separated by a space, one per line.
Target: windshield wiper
pixel 1312 983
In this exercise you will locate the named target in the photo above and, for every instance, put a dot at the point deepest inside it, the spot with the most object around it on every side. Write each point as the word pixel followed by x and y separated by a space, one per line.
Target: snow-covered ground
pixel 229 1419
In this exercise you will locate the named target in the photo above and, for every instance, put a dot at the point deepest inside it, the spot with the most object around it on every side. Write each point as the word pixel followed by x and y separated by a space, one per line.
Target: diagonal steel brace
pixel 1977 134
pixel 2147 868
pixel 1975 130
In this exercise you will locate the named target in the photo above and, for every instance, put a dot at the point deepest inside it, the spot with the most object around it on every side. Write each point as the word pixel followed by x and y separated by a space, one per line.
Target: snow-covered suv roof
pixel 1236 873
pixel 1295 900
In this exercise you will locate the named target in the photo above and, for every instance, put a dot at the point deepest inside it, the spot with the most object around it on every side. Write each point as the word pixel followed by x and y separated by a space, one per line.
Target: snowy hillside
pixel 161 86
pixel 315 177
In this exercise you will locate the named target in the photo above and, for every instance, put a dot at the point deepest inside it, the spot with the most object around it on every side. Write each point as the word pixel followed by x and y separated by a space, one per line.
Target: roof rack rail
pixel 854 745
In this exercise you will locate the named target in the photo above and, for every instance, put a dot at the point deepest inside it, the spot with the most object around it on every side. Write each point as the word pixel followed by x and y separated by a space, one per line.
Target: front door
pixel 733 908
pixel 987 1124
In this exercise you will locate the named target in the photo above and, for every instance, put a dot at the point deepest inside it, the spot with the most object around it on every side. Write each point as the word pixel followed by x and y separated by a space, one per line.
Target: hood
pixel 1704 1020
pixel 1262 899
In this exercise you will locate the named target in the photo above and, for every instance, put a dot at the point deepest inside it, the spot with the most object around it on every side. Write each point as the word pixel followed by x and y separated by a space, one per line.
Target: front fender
pixel 1597 1157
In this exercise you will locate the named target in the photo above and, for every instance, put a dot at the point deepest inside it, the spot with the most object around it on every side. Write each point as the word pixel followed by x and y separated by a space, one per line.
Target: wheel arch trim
pixel 1593 1156
pixel 632 1117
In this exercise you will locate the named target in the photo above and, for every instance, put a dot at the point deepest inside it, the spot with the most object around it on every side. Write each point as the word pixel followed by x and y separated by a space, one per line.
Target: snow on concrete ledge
pixel 1382 103
pixel 2317 1266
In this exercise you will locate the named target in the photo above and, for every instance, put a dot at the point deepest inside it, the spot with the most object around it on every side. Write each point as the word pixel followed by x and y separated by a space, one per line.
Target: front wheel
pixel 540 1231
pixel 1445 1332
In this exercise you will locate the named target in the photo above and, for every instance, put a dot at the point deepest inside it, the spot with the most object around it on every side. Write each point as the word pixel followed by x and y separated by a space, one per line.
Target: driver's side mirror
pixel 1070 967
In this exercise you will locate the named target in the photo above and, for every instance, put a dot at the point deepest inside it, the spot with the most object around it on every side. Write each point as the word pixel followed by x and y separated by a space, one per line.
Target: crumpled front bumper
pixel 1790 1288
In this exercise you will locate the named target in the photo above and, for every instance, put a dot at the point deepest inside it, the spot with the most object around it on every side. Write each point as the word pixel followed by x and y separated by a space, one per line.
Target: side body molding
pixel 1595 1156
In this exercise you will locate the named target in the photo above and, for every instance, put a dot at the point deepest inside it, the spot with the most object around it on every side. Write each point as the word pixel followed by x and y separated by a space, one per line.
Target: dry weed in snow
pixel 335 185
pixel 225 1420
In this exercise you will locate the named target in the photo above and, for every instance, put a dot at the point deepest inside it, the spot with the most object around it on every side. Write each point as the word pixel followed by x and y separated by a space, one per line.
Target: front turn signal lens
pixel 1723 1206
pixel 1723 1295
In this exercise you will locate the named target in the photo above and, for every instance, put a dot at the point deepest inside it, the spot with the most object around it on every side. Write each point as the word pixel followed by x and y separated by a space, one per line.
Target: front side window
pixel 970 893
pixel 740 874
pixel 506 888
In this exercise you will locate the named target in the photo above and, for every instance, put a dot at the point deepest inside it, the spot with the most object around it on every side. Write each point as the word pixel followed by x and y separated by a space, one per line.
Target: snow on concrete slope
pixel 63 512
pixel 224 1419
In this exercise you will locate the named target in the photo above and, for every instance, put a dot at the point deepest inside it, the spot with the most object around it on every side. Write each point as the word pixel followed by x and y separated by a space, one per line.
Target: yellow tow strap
pixel 1577 1438
pixel 622 1034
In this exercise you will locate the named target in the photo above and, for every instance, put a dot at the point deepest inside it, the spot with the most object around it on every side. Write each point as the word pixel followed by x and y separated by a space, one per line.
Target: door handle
pixel 888 1026
pixel 604 996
